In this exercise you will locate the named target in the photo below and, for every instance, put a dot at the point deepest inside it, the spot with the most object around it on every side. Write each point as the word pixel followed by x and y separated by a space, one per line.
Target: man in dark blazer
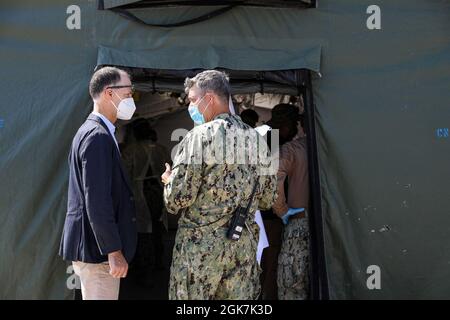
pixel 99 235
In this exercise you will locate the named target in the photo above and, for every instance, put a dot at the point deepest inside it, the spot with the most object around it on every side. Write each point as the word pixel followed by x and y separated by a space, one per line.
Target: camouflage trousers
pixel 210 266
pixel 293 261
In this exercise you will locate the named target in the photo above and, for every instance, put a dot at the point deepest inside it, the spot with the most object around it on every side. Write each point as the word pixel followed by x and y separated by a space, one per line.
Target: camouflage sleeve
pixel 268 185
pixel 186 177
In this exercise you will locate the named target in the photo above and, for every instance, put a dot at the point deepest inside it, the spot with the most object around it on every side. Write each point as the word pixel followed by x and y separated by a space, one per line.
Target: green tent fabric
pixel 223 54
pixel 108 4
pixel 382 122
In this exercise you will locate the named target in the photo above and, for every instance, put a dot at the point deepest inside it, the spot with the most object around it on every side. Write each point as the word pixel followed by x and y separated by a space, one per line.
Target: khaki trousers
pixel 96 282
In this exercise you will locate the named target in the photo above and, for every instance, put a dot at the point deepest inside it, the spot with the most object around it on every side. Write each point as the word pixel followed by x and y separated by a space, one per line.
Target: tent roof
pixel 288 56
pixel 289 82
pixel 109 4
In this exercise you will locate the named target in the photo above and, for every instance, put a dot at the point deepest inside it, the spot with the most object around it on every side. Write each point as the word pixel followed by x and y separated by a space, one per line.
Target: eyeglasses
pixel 119 87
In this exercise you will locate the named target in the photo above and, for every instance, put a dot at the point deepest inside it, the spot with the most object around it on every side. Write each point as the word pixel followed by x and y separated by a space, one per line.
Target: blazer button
pixel 131 198
pixel 133 219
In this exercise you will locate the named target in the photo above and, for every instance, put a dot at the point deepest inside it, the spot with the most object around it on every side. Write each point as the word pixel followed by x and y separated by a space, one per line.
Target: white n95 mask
pixel 126 108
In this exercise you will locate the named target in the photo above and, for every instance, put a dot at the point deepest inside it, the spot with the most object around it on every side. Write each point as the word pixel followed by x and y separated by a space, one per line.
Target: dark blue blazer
pixel 101 214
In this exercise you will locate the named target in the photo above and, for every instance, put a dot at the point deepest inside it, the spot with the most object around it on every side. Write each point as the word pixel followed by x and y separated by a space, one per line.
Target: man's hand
pixel 117 264
pixel 291 212
pixel 165 176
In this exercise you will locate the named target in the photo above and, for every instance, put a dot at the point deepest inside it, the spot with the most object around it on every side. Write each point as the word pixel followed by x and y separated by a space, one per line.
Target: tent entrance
pixel 289 82
pixel 161 100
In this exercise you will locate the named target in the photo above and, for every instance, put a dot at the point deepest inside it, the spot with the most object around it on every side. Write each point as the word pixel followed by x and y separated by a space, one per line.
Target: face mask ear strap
pixel 117 95
pixel 207 106
pixel 198 101
pixel 113 101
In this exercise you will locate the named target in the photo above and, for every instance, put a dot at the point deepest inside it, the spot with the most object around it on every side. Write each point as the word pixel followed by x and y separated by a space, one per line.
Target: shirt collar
pixel 108 123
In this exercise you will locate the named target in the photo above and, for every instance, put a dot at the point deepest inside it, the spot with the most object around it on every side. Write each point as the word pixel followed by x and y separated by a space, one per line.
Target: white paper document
pixel 262 242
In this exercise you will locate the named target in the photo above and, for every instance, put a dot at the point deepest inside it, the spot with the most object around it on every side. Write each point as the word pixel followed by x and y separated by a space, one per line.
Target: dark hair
pixel 106 76
pixel 250 117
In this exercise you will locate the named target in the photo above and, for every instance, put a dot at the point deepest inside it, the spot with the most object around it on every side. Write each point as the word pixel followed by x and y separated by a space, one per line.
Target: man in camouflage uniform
pixel 293 193
pixel 206 264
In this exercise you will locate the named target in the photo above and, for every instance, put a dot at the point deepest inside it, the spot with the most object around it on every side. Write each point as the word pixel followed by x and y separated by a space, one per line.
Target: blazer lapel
pixel 116 152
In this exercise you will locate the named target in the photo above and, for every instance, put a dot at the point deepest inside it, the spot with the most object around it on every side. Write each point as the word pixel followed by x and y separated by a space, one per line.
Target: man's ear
pixel 107 94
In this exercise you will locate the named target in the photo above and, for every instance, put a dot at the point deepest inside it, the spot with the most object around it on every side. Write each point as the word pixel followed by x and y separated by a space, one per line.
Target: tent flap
pixel 304 56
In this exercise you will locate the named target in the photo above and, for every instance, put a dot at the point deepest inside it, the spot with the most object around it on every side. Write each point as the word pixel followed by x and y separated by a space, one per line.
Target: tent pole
pixel 319 279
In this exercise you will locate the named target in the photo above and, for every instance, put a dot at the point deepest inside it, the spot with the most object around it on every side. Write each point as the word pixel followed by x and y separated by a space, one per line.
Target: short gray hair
pixel 210 80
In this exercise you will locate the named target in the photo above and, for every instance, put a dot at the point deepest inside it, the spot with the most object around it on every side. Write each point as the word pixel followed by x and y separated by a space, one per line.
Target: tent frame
pixel 300 83
pixel 319 279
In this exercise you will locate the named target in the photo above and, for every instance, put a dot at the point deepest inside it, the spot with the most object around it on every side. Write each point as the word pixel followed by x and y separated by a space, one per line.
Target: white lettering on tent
pixel 73 281
pixel 374 280
pixel 442 133
pixel 374 20
pixel 73 21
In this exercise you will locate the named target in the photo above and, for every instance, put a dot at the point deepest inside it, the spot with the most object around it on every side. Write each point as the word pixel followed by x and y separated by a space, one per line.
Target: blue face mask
pixel 195 114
